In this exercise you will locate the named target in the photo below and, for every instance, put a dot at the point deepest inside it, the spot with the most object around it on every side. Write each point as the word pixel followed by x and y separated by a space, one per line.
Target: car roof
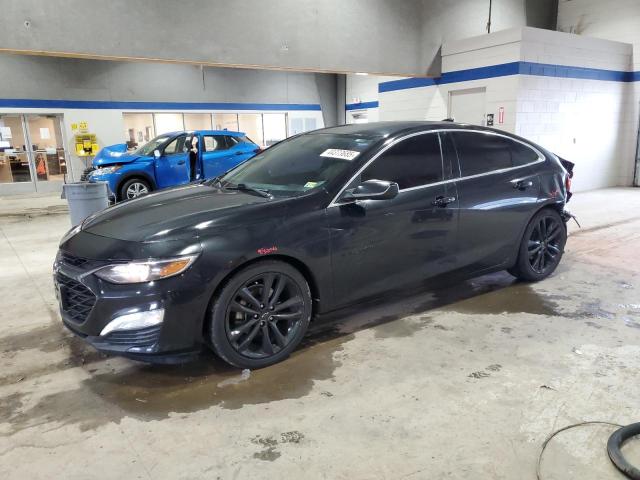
pixel 392 128
pixel 231 133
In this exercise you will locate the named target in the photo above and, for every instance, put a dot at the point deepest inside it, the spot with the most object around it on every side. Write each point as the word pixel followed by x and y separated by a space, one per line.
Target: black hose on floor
pixel 614 445
pixel 568 427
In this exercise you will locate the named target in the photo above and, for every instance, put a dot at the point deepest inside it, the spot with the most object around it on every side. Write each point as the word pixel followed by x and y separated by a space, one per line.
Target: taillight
pixel 567 183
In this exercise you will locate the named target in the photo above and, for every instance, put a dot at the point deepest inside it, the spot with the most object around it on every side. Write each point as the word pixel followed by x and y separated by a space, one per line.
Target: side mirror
pixel 372 190
pixel 156 153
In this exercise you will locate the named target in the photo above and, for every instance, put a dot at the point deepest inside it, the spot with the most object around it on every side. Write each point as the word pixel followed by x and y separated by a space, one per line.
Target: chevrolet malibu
pixel 242 263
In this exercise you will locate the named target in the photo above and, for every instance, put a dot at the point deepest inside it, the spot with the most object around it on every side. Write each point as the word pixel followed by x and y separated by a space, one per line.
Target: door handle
pixel 181 162
pixel 522 184
pixel 441 201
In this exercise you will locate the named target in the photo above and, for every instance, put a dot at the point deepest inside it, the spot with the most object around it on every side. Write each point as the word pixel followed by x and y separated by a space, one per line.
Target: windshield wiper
pixel 246 188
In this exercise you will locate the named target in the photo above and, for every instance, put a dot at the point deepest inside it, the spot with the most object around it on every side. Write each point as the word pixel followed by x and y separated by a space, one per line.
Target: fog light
pixel 134 321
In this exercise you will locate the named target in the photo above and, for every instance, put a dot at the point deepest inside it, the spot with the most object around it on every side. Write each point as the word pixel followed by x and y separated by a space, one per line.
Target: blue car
pixel 165 161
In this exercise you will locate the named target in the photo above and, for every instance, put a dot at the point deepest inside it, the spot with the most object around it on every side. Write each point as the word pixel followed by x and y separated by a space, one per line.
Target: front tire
pixel 260 315
pixel 134 188
pixel 541 247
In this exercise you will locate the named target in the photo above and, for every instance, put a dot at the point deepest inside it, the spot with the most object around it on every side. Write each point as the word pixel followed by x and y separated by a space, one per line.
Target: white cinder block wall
pixel 588 121
pixel 571 94
pixel 613 20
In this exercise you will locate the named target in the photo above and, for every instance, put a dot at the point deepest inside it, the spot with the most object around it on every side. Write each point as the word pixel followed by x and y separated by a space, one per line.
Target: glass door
pixel 46 145
pixel 15 167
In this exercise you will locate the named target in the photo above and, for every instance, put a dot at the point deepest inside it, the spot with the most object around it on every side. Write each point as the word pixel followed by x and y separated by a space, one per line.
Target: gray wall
pixel 376 36
pixel 35 77
pixel 446 20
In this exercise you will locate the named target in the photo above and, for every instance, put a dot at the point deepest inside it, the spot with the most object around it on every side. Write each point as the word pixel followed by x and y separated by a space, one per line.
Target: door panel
pixel 172 168
pixel 494 207
pixel 381 244
pixel 220 155
pixel 378 245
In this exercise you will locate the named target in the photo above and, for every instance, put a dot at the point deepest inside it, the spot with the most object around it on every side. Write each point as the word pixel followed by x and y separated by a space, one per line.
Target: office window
pixel 197 121
pixel 138 128
pixel 251 124
pixel 275 127
pixel 225 121
pixel 168 122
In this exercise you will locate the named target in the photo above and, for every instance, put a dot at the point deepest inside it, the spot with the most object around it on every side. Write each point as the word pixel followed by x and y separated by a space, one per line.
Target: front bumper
pixel 88 304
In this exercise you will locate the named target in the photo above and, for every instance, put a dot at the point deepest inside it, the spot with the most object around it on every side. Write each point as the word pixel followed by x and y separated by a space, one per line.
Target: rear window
pixel 483 153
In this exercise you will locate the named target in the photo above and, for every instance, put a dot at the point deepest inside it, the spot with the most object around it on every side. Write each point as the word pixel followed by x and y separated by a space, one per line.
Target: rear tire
pixel 260 315
pixel 133 188
pixel 541 247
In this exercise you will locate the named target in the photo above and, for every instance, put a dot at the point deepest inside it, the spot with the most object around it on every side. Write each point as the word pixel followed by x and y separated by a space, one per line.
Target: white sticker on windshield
pixel 338 153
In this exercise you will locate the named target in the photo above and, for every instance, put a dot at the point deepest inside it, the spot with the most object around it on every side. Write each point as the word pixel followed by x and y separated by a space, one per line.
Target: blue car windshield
pixel 147 149
pixel 300 164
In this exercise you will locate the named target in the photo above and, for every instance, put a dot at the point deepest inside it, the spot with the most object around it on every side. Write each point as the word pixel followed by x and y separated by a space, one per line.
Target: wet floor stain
pixel 148 392
pixel 50 338
pixel 517 298
pixel 395 328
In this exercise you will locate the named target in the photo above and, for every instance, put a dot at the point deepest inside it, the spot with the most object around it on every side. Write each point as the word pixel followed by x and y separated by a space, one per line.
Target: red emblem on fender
pixel 264 251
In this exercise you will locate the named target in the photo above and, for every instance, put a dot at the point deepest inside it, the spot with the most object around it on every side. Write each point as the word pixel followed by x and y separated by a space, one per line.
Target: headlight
pixel 106 170
pixel 145 271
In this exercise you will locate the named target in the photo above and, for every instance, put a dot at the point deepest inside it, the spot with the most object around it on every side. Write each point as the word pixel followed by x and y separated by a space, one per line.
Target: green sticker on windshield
pixel 310 184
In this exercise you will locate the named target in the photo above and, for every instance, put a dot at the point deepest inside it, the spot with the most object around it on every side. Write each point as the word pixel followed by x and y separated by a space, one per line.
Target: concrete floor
pixel 461 382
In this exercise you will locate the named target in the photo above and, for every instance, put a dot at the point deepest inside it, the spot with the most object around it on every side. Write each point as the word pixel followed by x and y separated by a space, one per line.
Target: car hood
pixel 179 212
pixel 113 154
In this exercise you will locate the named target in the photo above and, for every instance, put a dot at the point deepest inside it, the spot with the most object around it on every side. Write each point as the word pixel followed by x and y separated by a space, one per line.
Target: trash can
pixel 85 198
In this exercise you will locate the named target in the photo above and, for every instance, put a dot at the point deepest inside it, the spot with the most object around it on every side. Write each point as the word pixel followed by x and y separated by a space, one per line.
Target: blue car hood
pixel 114 154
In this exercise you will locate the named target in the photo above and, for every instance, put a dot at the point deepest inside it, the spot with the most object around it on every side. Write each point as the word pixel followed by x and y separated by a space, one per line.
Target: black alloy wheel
pixel 261 315
pixel 542 246
pixel 264 315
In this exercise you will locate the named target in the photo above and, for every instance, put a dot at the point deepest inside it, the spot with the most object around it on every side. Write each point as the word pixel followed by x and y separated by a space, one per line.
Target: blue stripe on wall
pixel 361 105
pixel 512 68
pixel 99 104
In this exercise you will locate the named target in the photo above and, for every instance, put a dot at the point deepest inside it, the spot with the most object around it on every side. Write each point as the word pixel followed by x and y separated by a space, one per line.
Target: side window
pixel 231 141
pixel 412 162
pixel 213 143
pixel 175 146
pixel 522 155
pixel 482 152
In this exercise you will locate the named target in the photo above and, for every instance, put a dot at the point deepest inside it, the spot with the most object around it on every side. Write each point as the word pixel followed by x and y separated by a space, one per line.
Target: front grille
pixel 85 174
pixel 77 300
pixel 72 260
pixel 140 338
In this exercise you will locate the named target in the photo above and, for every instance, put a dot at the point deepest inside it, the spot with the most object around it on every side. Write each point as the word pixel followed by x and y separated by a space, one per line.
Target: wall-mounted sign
pixel 501 115
pixel 83 127
pixel 489 119
pixel 74 127
pixel 5 133
pixel 45 134
pixel 86 145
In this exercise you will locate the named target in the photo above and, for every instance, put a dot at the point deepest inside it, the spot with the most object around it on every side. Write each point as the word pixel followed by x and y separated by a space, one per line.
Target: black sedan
pixel 243 262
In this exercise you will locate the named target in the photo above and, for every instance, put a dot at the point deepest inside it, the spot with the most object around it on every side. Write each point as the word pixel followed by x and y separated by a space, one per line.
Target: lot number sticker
pixel 341 154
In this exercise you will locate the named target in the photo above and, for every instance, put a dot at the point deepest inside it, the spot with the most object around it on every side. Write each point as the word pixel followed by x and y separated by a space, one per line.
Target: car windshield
pixel 148 148
pixel 300 164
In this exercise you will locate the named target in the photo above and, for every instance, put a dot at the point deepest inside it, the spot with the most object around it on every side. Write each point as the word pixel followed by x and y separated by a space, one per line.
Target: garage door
pixel 468 106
